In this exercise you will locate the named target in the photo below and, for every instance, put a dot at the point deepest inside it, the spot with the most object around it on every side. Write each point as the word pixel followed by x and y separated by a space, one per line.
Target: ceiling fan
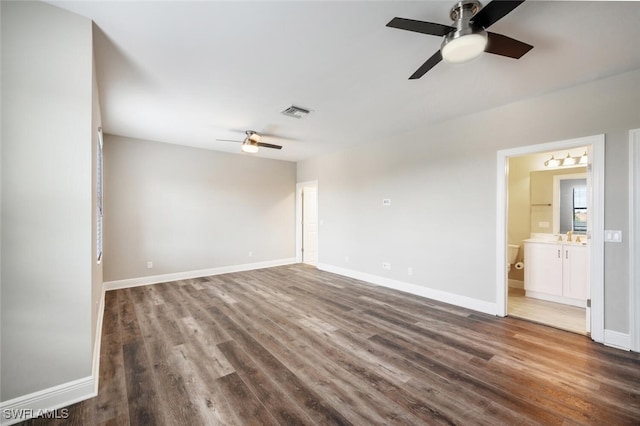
pixel 251 143
pixel 467 39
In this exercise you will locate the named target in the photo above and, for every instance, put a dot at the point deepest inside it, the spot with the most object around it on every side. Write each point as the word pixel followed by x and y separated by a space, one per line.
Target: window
pixel 99 197
pixel 570 196
pixel 580 209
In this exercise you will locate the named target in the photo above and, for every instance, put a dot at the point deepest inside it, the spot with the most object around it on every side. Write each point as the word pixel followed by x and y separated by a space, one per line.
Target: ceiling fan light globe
pixel 458 48
pixel 249 147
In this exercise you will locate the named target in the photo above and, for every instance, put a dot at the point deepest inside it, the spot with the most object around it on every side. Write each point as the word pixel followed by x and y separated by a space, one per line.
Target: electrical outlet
pixel 250 254
pixel 409 270
pixel 613 236
pixel 346 259
pixel 386 202
pixel 386 265
pixel 149 264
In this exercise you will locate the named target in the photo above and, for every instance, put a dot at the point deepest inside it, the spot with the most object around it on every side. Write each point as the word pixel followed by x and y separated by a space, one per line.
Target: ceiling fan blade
pixel 493 12
pixel 274 136
pixel 502 45
pixel 431 62
pixel 269 145
pixel 430 28
pixel 227 140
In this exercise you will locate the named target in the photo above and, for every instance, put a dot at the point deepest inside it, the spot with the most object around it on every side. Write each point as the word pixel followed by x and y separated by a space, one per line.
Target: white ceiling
pixel 191 72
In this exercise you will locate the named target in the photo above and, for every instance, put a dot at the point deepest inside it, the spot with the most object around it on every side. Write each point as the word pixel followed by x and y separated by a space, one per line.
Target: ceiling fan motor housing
pixel 468 40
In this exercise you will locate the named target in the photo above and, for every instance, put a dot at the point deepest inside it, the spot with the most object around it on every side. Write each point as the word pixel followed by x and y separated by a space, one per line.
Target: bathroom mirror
pixel 570 206
pixel 545 201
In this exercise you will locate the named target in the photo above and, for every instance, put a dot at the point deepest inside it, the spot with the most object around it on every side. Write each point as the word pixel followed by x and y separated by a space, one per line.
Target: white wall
pixel 442 183
pixel 188 209
pixel 46 198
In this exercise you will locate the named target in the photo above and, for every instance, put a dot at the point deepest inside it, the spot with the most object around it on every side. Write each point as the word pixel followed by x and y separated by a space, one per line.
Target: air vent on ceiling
pixel 295 112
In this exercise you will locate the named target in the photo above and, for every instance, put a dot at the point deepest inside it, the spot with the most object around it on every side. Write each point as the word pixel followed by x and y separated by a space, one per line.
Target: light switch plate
pixel 613 236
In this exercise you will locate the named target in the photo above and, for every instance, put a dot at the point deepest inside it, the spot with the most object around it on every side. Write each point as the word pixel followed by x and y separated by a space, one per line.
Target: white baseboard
pixel 47 401
pixel 439 295
pixel 156 279
pixel 50 402
pixel 618 340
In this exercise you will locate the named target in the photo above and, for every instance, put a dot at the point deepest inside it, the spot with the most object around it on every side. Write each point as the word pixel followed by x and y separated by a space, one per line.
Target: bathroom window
pixel 580 209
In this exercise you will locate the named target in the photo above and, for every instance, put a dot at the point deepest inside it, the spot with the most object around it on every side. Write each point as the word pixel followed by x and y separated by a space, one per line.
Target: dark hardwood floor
pixel 294 345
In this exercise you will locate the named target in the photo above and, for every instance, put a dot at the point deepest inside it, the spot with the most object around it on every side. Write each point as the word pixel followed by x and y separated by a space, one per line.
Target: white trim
pixel 442 296
pixel 61 395
pixel 47 400
pixel 299 186
pixel 156 279
pixel 617 340
pixel 502 202
pixel 634 239
pixel 596 154
pixel 95 370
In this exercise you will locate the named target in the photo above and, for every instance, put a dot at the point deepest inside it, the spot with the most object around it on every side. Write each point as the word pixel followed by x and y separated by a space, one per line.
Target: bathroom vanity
pixel 556 271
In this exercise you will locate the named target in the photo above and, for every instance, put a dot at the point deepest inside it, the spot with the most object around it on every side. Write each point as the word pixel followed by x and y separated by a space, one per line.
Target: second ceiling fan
pixel 468 38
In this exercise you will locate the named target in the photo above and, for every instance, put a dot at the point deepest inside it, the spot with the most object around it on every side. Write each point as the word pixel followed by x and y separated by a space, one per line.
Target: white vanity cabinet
pixel 574 271
pixel 543 268
pixel 556 272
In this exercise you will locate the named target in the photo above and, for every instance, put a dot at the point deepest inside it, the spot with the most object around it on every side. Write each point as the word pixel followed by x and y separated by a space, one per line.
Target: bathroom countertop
pixel 548 241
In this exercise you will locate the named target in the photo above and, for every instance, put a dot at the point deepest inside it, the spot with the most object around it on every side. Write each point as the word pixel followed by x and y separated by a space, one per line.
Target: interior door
pixel 589 230
pixel 310 225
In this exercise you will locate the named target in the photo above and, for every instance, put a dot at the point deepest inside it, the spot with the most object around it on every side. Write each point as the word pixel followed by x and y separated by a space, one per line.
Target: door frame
pixel 299 188
pixel 634 238
pixel 596 144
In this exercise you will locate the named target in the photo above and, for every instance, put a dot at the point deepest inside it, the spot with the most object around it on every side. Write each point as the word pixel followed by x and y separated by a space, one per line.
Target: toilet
pixel 512 255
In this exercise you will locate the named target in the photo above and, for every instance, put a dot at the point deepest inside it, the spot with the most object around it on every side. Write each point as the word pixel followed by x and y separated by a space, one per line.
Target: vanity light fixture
pixel 552 162
pixel 584 159
pixel 567 161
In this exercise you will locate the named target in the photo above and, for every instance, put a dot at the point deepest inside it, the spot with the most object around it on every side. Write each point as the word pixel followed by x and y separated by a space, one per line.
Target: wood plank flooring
pixel 564 317
pixel 294 346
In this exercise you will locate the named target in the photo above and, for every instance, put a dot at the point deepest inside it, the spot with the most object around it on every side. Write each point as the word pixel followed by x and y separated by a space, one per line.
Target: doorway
pixel 594 237
pixel 307 222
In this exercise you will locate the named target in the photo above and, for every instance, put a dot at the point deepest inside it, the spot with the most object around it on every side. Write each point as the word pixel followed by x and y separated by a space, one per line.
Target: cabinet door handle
pixel 566 254
pixel 558 253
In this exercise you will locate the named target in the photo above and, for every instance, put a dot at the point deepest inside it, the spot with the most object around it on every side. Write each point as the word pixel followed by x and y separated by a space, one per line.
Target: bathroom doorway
pixel 557 283
pixel 307 222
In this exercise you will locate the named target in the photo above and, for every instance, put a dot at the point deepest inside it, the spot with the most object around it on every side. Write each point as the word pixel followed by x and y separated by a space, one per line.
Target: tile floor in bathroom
pixel 565 317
